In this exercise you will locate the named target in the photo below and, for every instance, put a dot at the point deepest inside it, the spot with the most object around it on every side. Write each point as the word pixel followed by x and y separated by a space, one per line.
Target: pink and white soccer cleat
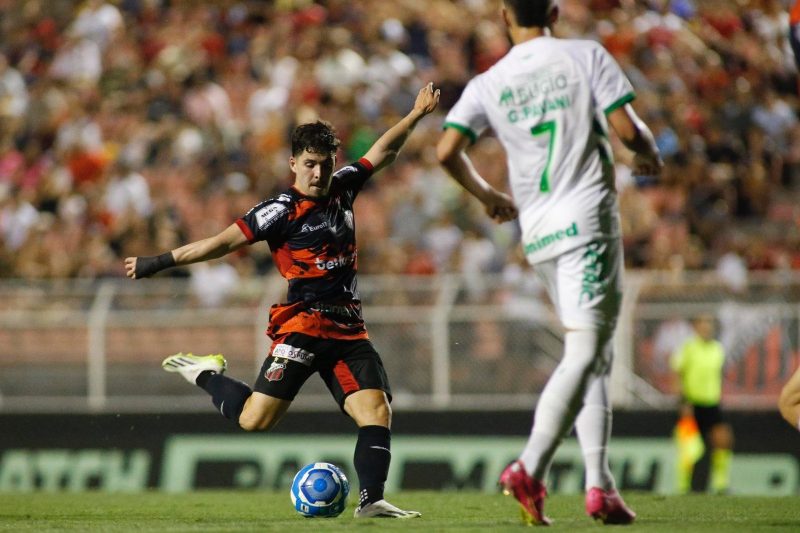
pixel 608 507
pixel 529 492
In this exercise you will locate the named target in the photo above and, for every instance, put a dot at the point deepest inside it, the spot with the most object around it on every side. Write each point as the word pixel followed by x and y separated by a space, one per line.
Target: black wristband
pixel 148 265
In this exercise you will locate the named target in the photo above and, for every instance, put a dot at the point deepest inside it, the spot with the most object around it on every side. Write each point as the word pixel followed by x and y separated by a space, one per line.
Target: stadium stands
pixel 127 127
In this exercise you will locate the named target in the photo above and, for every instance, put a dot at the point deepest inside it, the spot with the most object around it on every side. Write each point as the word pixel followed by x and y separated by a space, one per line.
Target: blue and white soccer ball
pixel 320 490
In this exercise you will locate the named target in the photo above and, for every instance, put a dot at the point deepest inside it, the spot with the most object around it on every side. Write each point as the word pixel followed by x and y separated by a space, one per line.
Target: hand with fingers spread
pixel 427 99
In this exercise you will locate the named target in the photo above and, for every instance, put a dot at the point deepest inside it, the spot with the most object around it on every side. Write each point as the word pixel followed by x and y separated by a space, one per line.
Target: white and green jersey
pixel 547 101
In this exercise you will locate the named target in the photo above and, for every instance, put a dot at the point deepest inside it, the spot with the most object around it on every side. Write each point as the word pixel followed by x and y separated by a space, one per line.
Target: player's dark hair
pixel 317 137
pixel 531 13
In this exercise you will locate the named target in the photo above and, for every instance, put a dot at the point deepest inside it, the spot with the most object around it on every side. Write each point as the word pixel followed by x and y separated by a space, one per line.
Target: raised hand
pixel 427 99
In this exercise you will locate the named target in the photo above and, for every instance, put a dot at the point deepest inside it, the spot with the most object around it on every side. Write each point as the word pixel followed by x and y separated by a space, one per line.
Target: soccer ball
pixel 320 490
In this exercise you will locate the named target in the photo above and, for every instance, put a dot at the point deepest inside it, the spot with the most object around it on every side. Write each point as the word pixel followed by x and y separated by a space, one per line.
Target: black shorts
pixel 346 366
pixel 707 417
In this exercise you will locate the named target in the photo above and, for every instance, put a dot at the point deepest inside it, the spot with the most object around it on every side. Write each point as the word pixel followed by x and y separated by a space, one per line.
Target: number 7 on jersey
pixel 541 129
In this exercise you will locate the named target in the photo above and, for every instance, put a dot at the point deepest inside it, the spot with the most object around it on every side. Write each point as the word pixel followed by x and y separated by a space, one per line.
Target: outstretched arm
pixel 452 155
pixel 636 136
pixel 386 148
pixel 225 242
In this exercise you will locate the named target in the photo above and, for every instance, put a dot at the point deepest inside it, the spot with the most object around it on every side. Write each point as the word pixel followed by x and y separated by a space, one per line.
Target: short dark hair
pixel 531 13
pixel 318 137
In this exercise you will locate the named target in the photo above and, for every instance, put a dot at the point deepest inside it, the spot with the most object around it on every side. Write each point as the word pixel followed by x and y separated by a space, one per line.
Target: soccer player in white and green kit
pixel 550 102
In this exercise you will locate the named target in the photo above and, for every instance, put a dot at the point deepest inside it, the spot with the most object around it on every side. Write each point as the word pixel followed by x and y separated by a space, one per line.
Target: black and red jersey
pixel 313 244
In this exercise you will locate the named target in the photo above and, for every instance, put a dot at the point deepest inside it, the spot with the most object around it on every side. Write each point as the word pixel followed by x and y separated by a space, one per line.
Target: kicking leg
pixel 228 395
pixel 232 398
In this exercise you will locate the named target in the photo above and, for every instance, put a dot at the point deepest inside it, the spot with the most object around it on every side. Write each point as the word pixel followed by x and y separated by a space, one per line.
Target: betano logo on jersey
pixel 336 262
pixel 538 243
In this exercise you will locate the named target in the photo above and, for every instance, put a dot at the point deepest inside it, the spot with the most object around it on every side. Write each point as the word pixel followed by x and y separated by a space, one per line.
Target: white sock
pixel 593 427
pixel 561 400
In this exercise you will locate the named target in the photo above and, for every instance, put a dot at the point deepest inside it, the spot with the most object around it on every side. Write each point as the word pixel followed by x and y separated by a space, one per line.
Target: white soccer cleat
pixel 190 366
pixel 383 509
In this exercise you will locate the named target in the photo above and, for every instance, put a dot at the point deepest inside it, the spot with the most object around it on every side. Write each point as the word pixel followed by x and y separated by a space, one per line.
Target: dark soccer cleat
pixel 383 509
pixel 608 507
pixel 190 366
pixel 529 492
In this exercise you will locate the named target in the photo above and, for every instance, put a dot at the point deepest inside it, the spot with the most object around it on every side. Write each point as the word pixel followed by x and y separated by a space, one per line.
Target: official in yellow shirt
pixel 698 364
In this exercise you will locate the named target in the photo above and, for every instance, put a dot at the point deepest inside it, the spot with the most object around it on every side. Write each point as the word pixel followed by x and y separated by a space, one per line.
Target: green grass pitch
pixel 232 511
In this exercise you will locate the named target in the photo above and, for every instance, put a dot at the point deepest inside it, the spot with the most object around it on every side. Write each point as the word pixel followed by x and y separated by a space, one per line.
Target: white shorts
pixel 585 284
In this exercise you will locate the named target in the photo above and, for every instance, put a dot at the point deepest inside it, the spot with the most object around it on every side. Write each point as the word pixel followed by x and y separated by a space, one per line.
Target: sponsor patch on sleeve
pixel 268 214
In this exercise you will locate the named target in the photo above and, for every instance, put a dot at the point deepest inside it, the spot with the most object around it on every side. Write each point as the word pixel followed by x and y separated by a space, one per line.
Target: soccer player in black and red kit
pixel 311 233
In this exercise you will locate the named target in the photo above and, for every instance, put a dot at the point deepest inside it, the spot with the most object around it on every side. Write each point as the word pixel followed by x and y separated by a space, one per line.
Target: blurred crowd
pixel 129 127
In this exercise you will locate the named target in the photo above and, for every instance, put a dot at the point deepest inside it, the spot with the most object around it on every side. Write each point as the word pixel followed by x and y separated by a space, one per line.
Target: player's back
pixel 546 100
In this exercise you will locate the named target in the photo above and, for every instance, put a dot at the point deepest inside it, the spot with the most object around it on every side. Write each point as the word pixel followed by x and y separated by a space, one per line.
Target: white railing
pixel 96 345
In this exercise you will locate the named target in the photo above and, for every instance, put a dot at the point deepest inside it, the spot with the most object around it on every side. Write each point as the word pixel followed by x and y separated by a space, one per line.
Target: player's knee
pixel 382 414
pixel 257 422
pixel 586 350
pixel 369 408
pixel 375 415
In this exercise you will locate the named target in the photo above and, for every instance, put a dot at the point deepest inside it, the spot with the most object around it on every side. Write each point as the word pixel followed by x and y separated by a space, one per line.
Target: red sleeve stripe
pixel 245 229
pixel 345 377
pixel 364 161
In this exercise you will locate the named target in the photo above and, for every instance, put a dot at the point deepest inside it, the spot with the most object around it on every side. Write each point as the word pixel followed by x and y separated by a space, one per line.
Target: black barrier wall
pixel 445 450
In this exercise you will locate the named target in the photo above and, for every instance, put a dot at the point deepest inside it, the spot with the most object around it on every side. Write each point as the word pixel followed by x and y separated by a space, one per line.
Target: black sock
pixel 202 378
pixel 371 459
pixel 227 394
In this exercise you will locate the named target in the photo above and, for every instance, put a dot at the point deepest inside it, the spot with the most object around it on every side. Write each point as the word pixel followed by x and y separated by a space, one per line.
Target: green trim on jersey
pixel 628 98
pixel 605 156
pixel 463 129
